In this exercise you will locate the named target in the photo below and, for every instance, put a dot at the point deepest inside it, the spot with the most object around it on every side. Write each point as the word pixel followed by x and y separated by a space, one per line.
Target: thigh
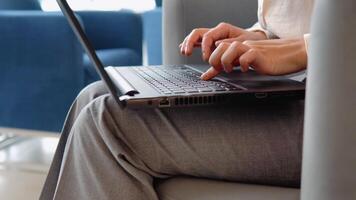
pixel 250 142
pixel 85 97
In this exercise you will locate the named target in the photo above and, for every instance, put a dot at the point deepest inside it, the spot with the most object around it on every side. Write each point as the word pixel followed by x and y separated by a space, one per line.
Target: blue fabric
pixel 152 21
pixel 159 3
pixel 42 65
pixel 112 30
pixel 116 36
pixel 41 70
pixel 110 57
pixel 20 5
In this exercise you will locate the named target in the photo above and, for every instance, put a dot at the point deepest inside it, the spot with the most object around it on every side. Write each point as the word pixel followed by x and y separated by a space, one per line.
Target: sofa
pixel 20 5
pixel 43 66
pixel 41 69
pixel 117 37
pixel 180 17
pixel 329 162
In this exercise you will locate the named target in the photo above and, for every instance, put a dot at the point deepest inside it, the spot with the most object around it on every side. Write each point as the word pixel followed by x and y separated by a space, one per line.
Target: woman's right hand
pixel 209 39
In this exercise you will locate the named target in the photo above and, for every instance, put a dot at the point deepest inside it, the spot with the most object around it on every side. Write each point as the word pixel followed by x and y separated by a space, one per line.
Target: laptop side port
pixel 261 95
pixel 164 103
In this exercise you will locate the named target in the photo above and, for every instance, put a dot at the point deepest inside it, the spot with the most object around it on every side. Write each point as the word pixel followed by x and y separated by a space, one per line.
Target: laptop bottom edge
pixel 214 99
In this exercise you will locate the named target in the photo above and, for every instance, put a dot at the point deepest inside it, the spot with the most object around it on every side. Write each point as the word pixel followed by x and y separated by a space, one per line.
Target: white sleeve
pixel 258 28
pixel 307 42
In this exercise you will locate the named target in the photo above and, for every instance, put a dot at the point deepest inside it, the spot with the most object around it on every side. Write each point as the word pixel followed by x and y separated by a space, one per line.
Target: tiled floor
pixel 24 163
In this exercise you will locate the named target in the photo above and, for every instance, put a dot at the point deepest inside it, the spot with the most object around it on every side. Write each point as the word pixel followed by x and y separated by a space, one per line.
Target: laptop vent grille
pixel 204 100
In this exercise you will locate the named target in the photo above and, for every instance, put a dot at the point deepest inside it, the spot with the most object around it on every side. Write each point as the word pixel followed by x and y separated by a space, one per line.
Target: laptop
pixel 180 85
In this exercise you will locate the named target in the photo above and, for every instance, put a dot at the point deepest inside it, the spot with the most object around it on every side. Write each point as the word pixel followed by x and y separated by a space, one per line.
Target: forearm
pixel 298 49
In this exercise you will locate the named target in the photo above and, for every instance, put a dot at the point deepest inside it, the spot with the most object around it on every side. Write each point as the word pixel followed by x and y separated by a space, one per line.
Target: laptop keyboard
pixel 180 80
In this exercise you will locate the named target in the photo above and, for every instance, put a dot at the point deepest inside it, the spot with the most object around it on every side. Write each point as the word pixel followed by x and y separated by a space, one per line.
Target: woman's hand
pixel 208 39
pixel 270 57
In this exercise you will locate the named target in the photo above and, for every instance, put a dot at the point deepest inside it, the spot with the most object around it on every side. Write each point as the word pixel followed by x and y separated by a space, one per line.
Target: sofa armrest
pixel 182 16
pixel 152 23
pixel 113 29
pixel 41 69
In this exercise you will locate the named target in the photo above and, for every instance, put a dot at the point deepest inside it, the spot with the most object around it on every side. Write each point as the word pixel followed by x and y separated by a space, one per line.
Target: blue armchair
pixel 158 3
pixel 41 69
pixel 20 5
pixel 117 38
pixel 152 23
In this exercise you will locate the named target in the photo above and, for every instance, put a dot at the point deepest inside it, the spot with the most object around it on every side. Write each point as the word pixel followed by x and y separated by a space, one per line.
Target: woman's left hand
pixel 270 57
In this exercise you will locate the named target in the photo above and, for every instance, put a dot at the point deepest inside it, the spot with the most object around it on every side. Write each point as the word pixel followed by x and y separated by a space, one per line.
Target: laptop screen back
pixel 79 32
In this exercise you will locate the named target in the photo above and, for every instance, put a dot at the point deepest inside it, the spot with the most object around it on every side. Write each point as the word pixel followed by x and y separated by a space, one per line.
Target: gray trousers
pixel 110 153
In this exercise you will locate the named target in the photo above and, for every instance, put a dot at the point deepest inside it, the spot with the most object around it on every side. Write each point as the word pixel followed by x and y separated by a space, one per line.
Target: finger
pixel 250 58
pixel 198 44
pixel 207 47
pixel 215 58
pixel 182 46
pixel 208 41
pixel 194 38
pixel 232 54
pixel 231 40
pixel 211 73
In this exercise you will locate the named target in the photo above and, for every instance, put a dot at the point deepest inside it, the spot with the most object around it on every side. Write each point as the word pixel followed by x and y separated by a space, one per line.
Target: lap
pixel 251 142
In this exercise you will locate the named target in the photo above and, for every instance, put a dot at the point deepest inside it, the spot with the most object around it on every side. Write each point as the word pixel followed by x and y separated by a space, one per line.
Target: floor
pixel 25 157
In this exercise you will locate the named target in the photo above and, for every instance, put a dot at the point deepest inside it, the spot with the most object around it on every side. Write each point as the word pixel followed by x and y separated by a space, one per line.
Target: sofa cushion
pixel 110 57
pixel 202 189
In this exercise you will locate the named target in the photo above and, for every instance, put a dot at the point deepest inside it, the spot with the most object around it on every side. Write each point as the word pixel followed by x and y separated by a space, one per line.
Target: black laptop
pixel 181 86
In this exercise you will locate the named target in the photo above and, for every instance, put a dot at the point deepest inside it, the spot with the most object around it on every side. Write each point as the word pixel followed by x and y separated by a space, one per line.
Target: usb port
pixel 164 103
pixel 261 95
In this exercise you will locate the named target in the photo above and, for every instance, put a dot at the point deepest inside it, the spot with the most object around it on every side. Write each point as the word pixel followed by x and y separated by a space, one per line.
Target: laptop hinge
pixel 120 82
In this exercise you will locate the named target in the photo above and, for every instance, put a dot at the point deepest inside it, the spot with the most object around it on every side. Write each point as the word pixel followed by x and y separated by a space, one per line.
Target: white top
pixel 284 18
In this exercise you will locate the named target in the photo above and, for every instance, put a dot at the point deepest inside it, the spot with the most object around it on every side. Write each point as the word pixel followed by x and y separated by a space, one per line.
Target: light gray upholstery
pixel 200 189
pixel 329 162
pixel 180 17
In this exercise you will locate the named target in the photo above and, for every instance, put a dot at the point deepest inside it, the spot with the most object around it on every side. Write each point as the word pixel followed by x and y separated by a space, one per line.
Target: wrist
pixel 299 54
pixel 295 54
pixel 302 56
pixel 260 35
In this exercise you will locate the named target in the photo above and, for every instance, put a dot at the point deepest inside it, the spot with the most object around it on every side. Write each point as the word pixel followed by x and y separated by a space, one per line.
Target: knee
pixel 91 92
pixel 97 118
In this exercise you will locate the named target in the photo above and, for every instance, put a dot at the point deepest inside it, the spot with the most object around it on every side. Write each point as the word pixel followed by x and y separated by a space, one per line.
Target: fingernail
pixel 203 76
pixel 228 69
pixel 206 57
